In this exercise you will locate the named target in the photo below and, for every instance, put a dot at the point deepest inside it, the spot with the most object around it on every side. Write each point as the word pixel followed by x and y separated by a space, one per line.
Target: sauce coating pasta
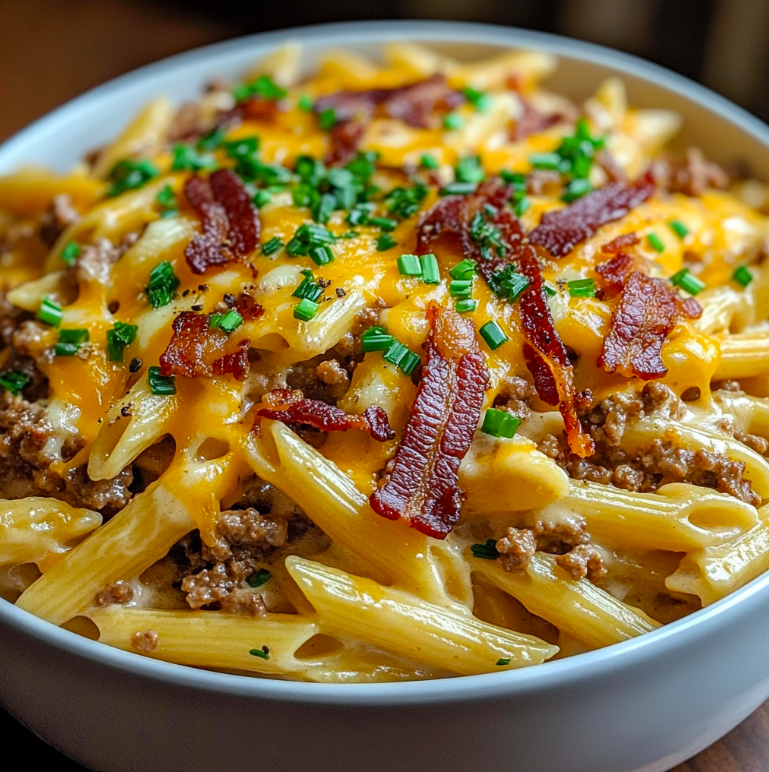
pixel 383 372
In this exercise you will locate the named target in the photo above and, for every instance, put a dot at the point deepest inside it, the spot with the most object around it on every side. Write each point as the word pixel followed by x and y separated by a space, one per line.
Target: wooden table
pixel 52 51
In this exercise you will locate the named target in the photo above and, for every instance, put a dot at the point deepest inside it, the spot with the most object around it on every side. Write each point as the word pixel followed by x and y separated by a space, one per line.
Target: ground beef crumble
pixel 119 592
pixel 146 641
pixel 583 562
pixel 648 469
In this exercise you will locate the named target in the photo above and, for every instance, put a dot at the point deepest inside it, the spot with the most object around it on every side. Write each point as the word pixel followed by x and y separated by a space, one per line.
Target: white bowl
pixel 643 705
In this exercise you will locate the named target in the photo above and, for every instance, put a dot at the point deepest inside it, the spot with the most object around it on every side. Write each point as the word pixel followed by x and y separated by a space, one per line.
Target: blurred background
pixel 51 50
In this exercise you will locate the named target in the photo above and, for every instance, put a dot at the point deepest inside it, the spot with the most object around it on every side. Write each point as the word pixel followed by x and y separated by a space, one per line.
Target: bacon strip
pixel 648 310
pixel 290 407
pixel 421 483
pixel 230 221
pixel 544 352
pixel 560 231
pixel 345 138
pixel 198 351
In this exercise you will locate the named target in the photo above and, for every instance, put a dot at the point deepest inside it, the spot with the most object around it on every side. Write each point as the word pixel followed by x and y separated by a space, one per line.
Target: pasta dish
pixel 383 372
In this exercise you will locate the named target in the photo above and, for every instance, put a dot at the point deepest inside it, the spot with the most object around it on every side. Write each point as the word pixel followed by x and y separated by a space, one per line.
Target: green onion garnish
pixel 211 140
pixel 465 269
pixel 385 242
pixel 308 288
pixel 321 255
pixel 305 310
pixel 687 281
pixel 14 381
pixel 129 175
pixel 430 272
pixel 264 87
pixel 50 312
pixel 453 121
pixel 503 661
pixel 428 161
pixel 70 342
pixel 679 228
pixel 376 339
pixel 400 356
pixel 487 551
pixel 655 242
pixel 162 285
pixel 264 652
pixel 327 119
pixel 582 288
pixel 167 201
pixel 323 207
pixel 742 276
pixel 307 236
pixel 577 188
pixel 304 103
pixel 403 202
pixel 262 576
pixel 465 305
pixel 164 385
pixel 70 253
pixel 120 336
pixel 461 288
pixel 470 170
pixel 546 161
pixel 458 189
pixel 409 265
pixel 237 148
pixel 522 206
pixel 385 223
pixel 480 100
pixel 408 362
pixel 272 246
pixel 500 423
pixel 187 159
pixel 492 333
pixel 228 322
pixel 507 284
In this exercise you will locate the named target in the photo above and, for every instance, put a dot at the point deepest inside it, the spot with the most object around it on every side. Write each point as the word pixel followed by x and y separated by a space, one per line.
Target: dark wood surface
pixel 52 51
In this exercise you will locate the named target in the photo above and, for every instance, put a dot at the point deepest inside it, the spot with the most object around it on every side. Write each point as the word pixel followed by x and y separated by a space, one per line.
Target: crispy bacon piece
pixel 412 103
pixel 230 221
pixel 546 356
pixel 345 138
pixel 560 231
pixel 255 108
pixel 421 481
pixel 620 243
pixel 648 310
pixel 532 121
pixel 290 407
pixel 198 351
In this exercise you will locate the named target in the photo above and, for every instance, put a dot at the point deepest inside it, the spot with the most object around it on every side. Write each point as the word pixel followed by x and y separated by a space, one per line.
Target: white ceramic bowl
pixel 643 705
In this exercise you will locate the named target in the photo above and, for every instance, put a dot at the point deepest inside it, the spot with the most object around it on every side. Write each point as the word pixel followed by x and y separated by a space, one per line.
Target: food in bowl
pixel 383 373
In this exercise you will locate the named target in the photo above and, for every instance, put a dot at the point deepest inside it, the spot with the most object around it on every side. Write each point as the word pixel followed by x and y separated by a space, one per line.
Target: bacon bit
pixel 230 221
pixel 648 310
pixel 615 246
pixel 546 356
pixel 345 138
pixel 290 407
pixel 615 273
pixel 560 231
pixel 198 351
pixel 532 121
pixel 421 481
pixel 255 109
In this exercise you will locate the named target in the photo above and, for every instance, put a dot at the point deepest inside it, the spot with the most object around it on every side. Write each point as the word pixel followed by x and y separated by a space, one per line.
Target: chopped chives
pixel 385 242
pixel 430 271
pixel 350 235
pixel 262 576
pixel 492 333
pixel 500 423
pixel 428 161
pixel 469 169
pixel 120 336
pixel 453 121
pixel 582 288
pixel 577 188
pixel 742 276
pixel 305 310
pixel 237 148
pixel 523 206
pixel 229 321
pixel 261 198
pixel 264 652
pixel 409 362
pixel 50 312
pixel 508 284
pixel 70 253
pixel 327 119
pixel 70 342
pixel 394 355
pixel 687 281
pixel 323 207
pixel 487 551
pixel 480 100
pixel 550 289
pixel 212 139
pixel 14 381
pixel 163 385
pixel 360 213
pixel 458 189
pixel 162 284
pixel 167 201
pixel 409 265
pixel 304 103
pixel 465 269
pixel 465 305
pixel 461 288
pixel 308 235
pixel 385 223
pixel 264 87
pixel 130 174
pixel 272 246
pixel 404 202
pixel 375 339
pixel 321 255
pixel 186 158
pixel 546 161
pixel 503 661
pixel 678 228
pixel 655 242
pixel 308 288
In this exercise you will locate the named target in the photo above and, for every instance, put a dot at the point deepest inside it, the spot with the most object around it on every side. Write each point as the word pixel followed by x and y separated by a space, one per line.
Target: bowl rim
pixel 559 674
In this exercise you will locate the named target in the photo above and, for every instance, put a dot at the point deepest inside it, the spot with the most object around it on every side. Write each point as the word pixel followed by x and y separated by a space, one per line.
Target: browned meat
pixel 693 174
pixel 515 396
pixel 145 641
pixel 559 536
pixel 516 548
pixel 332 373
pixel 118 592
pixel 59 216
pixel 584 561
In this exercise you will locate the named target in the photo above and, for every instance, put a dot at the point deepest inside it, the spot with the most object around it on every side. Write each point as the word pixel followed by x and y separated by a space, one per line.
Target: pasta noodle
pixel 382 372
